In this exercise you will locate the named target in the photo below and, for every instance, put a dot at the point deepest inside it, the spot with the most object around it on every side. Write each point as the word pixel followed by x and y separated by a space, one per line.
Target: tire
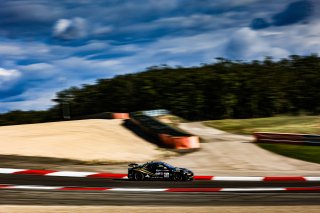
pixel 177 177
pixel 191 179
pixel 138 176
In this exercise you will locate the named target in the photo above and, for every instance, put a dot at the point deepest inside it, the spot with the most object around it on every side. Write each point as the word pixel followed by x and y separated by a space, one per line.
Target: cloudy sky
pixel 47 46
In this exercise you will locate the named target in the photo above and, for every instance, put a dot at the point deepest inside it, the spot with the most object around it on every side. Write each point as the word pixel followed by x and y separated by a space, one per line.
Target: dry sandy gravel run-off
pixel 86 140
pixel 234 155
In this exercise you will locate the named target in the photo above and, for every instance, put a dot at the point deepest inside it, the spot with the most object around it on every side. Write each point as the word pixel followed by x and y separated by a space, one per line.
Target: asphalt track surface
pixel 46 197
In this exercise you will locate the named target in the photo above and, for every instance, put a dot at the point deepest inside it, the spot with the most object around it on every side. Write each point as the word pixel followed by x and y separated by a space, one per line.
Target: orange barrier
pixel 166 139
pixel 186 142
pixel 183 142
pixel 120 116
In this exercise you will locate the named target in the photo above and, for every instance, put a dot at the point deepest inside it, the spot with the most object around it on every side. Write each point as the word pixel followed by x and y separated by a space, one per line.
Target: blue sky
pixel 47 46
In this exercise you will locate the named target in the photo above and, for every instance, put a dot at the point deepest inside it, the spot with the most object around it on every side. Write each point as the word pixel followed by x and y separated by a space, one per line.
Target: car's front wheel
pixel 177 177
pixel 138 176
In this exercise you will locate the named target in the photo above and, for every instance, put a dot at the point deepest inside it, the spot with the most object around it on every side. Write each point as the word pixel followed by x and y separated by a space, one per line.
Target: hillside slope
pixel 86 140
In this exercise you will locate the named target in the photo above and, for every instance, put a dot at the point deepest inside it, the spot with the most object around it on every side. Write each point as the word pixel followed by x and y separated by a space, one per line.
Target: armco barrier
pixel 156 112
pixel 312 138
pixel 102 115
pixel 268 137
pixel 168 135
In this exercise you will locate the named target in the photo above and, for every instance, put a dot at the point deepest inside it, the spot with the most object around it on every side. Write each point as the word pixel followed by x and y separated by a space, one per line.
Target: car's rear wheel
pixel 177 177
pixel 138 176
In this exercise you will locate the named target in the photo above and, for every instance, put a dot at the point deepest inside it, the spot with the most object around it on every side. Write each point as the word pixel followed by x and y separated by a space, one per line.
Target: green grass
pixel 302 152
pixel 279 124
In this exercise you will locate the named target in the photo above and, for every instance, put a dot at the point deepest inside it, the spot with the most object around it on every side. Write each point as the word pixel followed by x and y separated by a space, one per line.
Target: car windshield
pixel 168 165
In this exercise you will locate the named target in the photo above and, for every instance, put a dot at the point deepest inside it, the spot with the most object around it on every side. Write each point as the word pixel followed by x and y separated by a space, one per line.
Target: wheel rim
pixel 177 176
pixel 138 176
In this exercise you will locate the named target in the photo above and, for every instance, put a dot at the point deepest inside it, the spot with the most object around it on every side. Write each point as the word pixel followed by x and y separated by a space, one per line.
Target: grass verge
pixel 279 124
pixel 302 152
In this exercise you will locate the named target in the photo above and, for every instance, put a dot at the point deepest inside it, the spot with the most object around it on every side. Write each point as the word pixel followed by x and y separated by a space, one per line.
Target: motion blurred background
pixel 198 59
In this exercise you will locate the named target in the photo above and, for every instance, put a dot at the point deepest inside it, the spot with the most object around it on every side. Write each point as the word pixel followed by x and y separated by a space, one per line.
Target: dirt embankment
pixel 84 140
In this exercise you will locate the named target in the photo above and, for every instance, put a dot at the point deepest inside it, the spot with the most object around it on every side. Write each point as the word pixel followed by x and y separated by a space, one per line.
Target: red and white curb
pixel 124 176
pixel 71 188
pixel 60 173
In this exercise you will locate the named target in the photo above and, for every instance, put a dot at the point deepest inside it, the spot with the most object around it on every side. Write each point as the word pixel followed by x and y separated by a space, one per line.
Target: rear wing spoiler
pixel 133 164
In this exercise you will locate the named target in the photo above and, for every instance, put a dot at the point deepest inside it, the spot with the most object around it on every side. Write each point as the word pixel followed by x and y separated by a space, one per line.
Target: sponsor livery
pixel 158 170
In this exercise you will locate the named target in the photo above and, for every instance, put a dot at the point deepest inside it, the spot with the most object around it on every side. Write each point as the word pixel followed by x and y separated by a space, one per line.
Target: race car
pixel 158 170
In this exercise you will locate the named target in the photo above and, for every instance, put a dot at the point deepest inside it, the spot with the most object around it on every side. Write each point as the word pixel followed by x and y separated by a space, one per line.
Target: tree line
pixel 224 89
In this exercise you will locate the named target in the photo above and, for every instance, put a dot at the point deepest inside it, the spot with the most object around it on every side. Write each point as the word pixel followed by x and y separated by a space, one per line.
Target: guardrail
pixel 168 135
pixel 269 137
pixel 155 112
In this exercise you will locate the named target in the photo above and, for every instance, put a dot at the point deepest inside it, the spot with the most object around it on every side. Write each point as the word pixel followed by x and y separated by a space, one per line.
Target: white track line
pixel 251 189
pixel 312 178
pixel 70 174
pixel 221 178
pixel 10 171
pixel 34 187
pixel 136 190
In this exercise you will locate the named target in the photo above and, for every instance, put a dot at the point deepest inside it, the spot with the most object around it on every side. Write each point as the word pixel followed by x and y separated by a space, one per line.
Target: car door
pixel 166 172
pixel 162 171
pixel 151 168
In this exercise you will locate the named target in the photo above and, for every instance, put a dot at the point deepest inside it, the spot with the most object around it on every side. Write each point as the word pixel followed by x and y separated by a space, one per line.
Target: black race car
pixel 158 170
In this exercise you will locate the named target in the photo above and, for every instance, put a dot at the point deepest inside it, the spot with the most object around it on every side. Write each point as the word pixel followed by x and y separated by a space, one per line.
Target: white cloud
pixel 39 71
pixel 102 30
pixel 189 21
pixel 79 68
pixel 61 26
pixel 31 100
pixel 9 49
pixel 8 77
pixel 70 28
pixel 17 50
pixel 29 11
pixel 236 3
pixel 8 73
pixel 249 44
